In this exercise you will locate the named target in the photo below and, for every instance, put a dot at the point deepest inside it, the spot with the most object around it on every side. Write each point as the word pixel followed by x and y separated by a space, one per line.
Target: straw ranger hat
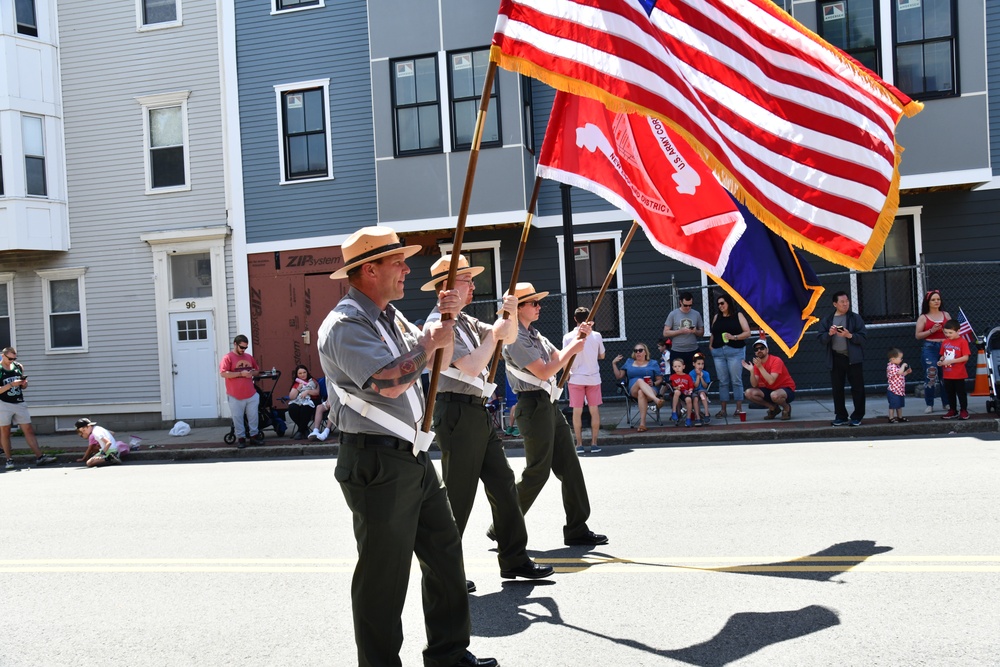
pixel 439 271
pixel 526 292
pixel 368 244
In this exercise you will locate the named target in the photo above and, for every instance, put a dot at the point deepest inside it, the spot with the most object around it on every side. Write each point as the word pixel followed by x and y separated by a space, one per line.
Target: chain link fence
pixel 888 299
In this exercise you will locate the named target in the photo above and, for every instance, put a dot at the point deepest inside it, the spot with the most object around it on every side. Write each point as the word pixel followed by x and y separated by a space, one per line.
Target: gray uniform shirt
pixel 352 350
pixel 476 331
pixel 529 346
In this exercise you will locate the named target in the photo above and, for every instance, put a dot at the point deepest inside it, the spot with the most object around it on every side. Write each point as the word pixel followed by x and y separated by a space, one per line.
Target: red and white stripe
pixel 798 132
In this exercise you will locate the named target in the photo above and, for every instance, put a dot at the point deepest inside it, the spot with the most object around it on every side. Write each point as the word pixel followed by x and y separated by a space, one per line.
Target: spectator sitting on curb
pixel 770 383
pixel 102 448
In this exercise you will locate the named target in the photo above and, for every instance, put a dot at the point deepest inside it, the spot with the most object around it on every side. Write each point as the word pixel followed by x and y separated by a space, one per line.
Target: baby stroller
pixel 992 343
pixel 267 416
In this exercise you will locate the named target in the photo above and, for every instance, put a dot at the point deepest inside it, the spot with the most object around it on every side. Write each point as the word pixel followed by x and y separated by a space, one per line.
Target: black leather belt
pixel 538 393
pixel 453 397
pixel 362 440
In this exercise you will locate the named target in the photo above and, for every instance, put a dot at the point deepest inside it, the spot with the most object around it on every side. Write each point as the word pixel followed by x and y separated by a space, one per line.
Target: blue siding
pixel 993 78
pixel 326 42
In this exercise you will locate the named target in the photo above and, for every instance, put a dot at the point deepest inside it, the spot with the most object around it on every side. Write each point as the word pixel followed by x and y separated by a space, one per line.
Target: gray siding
pixel 105 64
pixel 326 42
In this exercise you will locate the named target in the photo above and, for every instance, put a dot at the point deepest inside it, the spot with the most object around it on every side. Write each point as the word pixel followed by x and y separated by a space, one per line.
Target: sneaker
pixel 241 443
pixel 706 420
pixel 786 413
pixel 594 450
pixel 772 413
pixel 699 422
pixel 951 414
pixel 839 422
pixel 580 451
pixel 687 422
pixel 855 422
pixel 929 409
pixel 44 460
pixel 674 417
pixel 964 414
pixel 9 465
pixel 324 434
pixel 514 432
pixel 259 437
pixel 313 435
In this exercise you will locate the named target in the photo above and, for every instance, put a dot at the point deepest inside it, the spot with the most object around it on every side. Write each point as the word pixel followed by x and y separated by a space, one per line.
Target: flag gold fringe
pixel 862 263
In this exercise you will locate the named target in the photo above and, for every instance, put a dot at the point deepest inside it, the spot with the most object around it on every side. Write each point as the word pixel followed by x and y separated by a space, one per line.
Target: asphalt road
pixel 811 553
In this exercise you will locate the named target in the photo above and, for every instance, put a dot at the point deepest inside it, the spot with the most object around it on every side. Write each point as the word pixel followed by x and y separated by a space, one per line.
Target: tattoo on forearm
pixel 400 372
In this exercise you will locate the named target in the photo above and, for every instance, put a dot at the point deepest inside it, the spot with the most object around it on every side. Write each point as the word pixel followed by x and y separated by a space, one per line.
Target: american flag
pixel 964 328
pixel 799 131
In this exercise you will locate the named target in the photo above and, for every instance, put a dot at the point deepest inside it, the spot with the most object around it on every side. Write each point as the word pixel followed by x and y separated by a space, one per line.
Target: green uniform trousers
pixel 472 451
pixel 549 446
pixel 400 509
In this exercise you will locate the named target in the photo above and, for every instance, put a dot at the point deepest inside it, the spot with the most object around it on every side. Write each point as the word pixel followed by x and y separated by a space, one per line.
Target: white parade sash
pixel 409 432
pixel 553 389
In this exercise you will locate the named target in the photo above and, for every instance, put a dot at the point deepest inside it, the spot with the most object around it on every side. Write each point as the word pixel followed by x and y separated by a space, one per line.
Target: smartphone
pixel 839 328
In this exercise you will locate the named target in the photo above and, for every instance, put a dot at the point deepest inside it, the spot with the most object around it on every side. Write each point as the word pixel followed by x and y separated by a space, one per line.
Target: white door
pixel 196 373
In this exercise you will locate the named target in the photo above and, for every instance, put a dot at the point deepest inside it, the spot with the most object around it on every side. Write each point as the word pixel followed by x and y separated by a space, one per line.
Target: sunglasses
pixel 532 303
pixel 721 303
pixel 638 349
pixel 241 347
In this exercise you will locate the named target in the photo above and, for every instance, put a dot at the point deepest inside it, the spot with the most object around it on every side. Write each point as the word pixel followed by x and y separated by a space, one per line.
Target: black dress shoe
pixel 588 539
pixel 469 660
pixel 529 570
pixel 490 534
pixel 471 585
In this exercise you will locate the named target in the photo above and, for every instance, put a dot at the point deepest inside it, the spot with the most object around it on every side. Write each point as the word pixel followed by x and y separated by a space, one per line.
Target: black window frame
pixel 287 136
pixel 396 107
pixel 288 5
pixel 453 102
pixel 888 294
pixel 528 104
pixel 859 53
pixel 951 39
pixel 22 25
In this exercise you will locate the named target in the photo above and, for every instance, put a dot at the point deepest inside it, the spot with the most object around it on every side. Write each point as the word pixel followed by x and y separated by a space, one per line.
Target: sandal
pixel 642 429
pixel 902 419
pixel 772 413
pixel 721 414
pixel 893 420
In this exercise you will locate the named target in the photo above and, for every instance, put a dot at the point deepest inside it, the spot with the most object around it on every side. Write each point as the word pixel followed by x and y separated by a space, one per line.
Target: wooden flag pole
pixel 463 214
pixel 517 269
pixel 600 295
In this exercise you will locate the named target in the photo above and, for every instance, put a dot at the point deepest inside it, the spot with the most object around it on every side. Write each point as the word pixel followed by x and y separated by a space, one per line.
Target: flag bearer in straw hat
pixel 470 447
pixel 532 364
pixel 372 357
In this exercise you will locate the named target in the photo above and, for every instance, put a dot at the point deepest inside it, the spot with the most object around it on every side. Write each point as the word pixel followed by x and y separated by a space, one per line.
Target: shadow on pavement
pixel 820 566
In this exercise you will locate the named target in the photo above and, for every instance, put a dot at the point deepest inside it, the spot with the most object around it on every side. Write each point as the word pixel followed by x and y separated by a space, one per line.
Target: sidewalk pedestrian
pixel 585 382
pixel 930 331
pixel 843 334
pixel 239 368
pixel 954 357
pixel 13 382
pixel 895 375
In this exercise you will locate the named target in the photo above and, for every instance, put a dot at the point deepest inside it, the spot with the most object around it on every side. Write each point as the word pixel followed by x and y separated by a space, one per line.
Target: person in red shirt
pixel 238 368
pixel 683 387
pixel 770 383
pixel 954 373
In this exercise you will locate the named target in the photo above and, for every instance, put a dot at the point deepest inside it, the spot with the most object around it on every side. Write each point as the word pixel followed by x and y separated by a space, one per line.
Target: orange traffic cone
pixel 982 387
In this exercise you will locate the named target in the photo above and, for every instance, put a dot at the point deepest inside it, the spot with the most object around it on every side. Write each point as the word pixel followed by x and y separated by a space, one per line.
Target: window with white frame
pixel 1 168
pixel 158 13
pixel 25 17
pixel 166 141
pixel 7 310
pixel 289 5
pixel 33 140
pixel 593 255
pixel 304 122
pixel 65 309
pixel 925 46
pixel 487 284
pixel 467 75
pixel 416 105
